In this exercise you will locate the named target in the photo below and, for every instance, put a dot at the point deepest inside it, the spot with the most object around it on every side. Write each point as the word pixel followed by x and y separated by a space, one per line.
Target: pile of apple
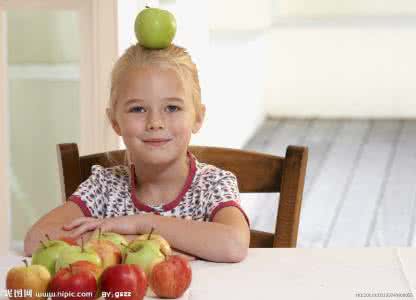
pixel 106 266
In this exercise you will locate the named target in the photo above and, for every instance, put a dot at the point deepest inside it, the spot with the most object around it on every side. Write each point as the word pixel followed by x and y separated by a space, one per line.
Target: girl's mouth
pixel 156 143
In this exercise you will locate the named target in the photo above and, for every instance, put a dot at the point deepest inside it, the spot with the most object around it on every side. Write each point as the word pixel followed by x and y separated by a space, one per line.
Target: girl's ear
pixel 113 122
pixel 199 119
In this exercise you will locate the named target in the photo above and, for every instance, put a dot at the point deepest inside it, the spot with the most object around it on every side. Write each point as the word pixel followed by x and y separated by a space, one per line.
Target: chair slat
pixel 106 160
pixel 256 172
pixel 69 166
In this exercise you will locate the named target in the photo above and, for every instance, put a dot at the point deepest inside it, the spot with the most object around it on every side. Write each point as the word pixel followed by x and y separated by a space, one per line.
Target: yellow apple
pixel 29 278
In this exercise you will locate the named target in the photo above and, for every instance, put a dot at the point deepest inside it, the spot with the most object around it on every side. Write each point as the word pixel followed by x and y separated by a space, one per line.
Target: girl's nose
pixel 154 122
pixel 153 126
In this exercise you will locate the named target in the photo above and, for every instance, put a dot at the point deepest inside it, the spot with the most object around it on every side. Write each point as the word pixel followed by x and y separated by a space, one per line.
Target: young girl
pixel 155 107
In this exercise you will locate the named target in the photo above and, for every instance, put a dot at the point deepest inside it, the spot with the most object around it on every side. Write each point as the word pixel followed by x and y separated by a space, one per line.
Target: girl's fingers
pixel 87 226
pixel 77 222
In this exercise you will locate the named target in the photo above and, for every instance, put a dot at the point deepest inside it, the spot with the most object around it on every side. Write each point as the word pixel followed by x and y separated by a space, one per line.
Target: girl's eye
pixel 173 108
pixel 136 109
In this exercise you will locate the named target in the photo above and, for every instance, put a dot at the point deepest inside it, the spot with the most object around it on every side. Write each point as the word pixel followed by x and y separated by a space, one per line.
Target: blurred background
pixel 336 76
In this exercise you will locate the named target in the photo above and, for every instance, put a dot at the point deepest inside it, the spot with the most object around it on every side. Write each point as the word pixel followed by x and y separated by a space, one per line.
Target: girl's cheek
pixel 183 126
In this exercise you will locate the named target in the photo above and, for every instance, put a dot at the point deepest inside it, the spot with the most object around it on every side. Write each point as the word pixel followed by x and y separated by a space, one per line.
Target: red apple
pixel 89 266
pixel 126 281
pixel 108 251
pixel 171 277
pixel 73 284
pixel 27 282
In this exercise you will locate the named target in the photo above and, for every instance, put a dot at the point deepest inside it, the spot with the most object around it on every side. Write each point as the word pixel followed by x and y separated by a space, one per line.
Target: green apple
pixel 155 28
pixel 47 253
pixel 145 253
pixel 116 238
pixel 34 278
pixel 77 253
pixel 164 245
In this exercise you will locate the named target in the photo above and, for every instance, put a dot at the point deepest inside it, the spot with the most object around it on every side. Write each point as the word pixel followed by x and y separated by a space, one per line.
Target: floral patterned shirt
pixel 111 192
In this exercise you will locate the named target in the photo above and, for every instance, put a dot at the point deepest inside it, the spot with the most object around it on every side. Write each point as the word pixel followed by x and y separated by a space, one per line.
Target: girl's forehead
pixel 151 82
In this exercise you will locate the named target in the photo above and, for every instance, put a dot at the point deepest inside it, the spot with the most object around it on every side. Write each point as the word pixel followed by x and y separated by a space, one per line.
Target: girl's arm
pixel 51 224
pixel 225 239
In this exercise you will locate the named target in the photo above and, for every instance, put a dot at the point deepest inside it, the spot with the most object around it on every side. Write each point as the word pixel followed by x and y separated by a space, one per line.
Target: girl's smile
pixel 156 143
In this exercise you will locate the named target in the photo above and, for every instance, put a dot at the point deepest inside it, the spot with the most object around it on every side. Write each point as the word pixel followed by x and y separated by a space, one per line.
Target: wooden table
pixel 314 273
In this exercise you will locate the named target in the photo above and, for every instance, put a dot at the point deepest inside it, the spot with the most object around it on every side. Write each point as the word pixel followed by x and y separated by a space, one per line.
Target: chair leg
pixel 293 179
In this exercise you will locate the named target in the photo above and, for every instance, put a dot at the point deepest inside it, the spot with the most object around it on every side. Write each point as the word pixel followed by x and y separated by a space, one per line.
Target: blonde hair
pixel 173 57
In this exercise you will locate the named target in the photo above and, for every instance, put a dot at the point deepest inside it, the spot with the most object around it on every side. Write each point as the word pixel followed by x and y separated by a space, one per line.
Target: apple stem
pixel 82 243
pixel 147 6
pixel 43 244
pixel 70 268
pixel 26 263
pixel 150 234
pixel 47 236
pixel 127 246
pixel 99 233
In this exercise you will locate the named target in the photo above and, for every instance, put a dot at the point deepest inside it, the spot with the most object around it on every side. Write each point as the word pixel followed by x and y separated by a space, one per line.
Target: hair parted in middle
pixel 172 57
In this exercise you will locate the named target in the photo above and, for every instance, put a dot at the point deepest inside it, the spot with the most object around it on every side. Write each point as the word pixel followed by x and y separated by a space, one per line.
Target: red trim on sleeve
pixel 228 204
pixel 77 200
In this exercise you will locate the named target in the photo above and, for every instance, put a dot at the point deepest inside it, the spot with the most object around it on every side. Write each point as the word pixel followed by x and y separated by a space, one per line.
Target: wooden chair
pixel 256 173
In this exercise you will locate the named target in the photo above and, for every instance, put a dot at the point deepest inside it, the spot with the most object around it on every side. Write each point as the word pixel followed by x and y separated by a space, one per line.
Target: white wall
pixel 239 15
pixel 363 67
pixel 345 8
pixel 126 14
pixel 234 90
pixel 234 94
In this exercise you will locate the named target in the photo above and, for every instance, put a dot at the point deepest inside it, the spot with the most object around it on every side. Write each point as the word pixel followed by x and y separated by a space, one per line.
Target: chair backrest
pixel 256 173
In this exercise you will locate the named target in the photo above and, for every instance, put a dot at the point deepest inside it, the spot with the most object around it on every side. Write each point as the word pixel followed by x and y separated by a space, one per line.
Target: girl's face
pixel 154 115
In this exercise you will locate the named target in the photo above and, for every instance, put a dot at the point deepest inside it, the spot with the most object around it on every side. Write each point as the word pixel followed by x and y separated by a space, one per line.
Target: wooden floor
pixel 360 188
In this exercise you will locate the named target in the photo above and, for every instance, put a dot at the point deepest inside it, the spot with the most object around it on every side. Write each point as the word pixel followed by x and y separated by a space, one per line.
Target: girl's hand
pixel 121 225
pixel 81 225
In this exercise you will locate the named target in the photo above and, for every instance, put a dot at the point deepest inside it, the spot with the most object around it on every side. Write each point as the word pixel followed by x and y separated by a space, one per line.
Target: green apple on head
pixel 77 253
pixel 48 252
pixel 155 28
